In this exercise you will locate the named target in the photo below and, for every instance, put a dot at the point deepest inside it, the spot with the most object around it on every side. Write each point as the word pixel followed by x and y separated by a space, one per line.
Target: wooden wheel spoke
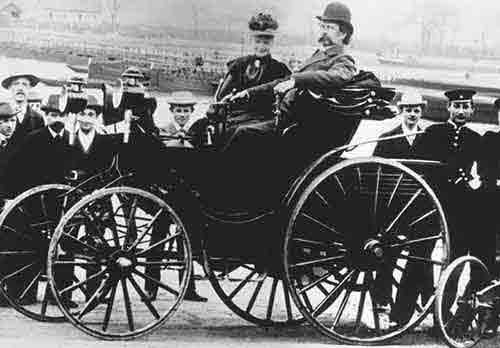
pixel 127 304
pixel 339 183
pixel 19 234
pixel 180 264
pixel 82 264
pixel 241 285
pixel 361 307
pixel 45 301
pixel 421 259
pixel 393 193
pixel 322 199
pixel 407 205
pixel 157 282
pixel 148 228
pixel 42 224
pixel 30 285
pixel 270 305
pixel 83 282
pixel 18 253
pixel 163 241
pixel 332 296
pixel 316 221
pixel 375 197
pixel 256 292
pixel 318 243
pixel 79 242
pixel 315 283
pixel 343 304
pixel 423 217
pixel 416 241
pixel 131 227
pixel 109 307
pixel 19 271
pixel 318 261
pixel 288 305
pixel 93 301
pixel 371 287
pixel 144 298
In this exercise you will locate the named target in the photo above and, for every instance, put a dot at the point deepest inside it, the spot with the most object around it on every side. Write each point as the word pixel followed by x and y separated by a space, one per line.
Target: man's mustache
pixel 324 38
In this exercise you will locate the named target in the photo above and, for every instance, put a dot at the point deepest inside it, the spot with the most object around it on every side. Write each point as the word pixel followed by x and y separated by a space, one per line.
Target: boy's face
pixel 182 113
pixel 56 120
pixel 87 119
pixel 8 126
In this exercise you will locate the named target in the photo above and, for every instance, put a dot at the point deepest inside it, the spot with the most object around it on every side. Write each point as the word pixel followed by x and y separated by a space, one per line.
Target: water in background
pixel 9 66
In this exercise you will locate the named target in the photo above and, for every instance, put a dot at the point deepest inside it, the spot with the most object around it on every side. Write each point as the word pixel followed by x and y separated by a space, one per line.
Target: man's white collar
pixel 54 134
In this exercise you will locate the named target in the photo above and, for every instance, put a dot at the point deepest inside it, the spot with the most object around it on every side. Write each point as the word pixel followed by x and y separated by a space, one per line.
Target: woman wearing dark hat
pixel 257 68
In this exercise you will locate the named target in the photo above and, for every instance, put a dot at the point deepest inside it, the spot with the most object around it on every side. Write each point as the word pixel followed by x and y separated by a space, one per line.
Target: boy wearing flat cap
pixel 29 119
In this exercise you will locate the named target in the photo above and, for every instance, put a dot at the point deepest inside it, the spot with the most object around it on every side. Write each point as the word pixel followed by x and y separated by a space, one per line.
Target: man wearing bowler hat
pixel 411 107
pixel 327 70
pixel 29 119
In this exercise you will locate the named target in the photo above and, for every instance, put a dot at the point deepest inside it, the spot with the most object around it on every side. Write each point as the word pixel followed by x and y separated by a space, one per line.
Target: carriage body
pixel 309 235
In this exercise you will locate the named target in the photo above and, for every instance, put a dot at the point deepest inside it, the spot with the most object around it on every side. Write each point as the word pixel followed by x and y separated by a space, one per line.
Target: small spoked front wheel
pixel 130 259
pixel 364 248
pixel 459 307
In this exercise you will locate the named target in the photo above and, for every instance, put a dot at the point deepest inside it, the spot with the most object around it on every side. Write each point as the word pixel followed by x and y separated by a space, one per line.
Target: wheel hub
pixel 373 248
pixel 124 262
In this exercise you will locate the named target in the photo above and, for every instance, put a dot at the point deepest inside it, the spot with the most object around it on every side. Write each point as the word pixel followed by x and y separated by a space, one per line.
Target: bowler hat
pixel 31 78
pixel 460 94
pixel 7 111
pixel 337 12
pixel 411 99
pixel 182 98
pixel 53 104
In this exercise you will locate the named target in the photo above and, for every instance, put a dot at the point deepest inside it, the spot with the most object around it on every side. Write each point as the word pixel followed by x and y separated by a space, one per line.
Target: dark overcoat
pixel 396 148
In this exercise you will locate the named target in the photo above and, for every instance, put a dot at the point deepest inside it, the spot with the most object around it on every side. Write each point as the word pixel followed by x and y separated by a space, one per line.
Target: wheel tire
pixel 454 274
pixel 353 231
pixel 34 213
pixel 141 251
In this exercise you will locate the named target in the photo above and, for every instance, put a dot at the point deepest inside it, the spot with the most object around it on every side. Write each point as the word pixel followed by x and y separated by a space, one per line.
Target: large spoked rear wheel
pixel 364 248
pixel 27 225
pixel 131 266
pixel 457 301
pixel 256 293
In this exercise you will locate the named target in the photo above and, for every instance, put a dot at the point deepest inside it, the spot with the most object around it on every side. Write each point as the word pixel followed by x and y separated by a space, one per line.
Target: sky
pixel 393 19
